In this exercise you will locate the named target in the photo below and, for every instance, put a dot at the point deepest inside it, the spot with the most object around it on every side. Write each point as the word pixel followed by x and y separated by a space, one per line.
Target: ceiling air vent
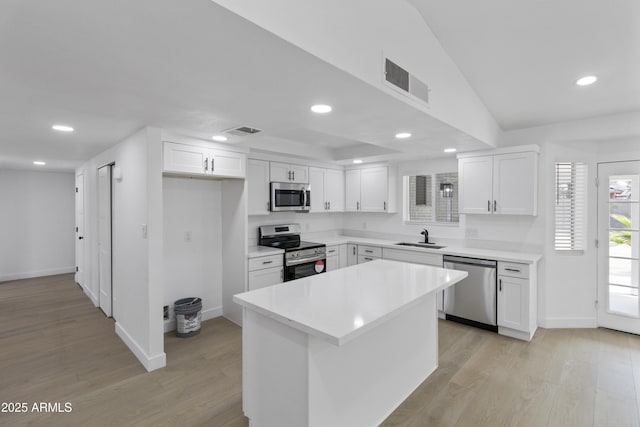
pixel 242 131
pixel 405 81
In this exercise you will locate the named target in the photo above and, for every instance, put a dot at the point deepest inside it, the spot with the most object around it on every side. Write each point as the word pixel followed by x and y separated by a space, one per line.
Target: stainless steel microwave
pixel 286 196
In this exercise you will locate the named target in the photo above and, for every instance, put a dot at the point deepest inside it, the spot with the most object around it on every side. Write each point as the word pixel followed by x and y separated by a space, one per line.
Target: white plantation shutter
pixel 570 202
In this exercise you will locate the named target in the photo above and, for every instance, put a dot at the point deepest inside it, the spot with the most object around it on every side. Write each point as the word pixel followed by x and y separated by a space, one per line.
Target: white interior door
pixel 618 253
pixel 79 276
pixel 104 238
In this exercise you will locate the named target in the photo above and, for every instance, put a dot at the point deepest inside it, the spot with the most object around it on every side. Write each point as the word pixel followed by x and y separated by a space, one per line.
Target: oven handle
pixel 305 260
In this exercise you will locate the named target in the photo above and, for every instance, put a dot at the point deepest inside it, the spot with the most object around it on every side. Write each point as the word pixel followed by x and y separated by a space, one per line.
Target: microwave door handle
pixel 304 197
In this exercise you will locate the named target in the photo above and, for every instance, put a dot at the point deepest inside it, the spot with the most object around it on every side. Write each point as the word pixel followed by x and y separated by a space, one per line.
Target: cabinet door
pixel 333 263
pixel 263 278
pixel 184 158
pixel 227 163
pixel 342 254
pixel 280 172
pixel 299 174
pixel 352 190
pixel 374 189
pixel 363 258
pixel 352 254
pixel 513 303
pixel 317 187
pixel 334 190
pixel 258 184
pixel 475 175
pixel 515 183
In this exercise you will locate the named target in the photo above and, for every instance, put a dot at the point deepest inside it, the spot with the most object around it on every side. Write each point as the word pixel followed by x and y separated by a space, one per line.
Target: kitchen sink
pixel 421 245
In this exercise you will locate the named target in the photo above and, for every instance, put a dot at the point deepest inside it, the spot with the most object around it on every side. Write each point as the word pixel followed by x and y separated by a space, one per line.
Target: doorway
pixel 618 246
pixel 105 209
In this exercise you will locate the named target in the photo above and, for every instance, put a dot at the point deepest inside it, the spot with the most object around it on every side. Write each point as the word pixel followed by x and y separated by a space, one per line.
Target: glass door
pixel 618 253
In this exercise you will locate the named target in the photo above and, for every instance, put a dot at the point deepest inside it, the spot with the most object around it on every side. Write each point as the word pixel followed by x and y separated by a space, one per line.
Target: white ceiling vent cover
pixel 399 78
pixel 242 131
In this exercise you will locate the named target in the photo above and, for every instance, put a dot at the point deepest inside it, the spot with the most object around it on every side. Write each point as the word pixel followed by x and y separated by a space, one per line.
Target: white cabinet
pixel 502 184
pixel 516 300
pixel 203 160
pixel 352 254
pixel 265 271
pixel 327 190
pixel 370 190
pixel 336 257
pixel 368 253
pixel 258 186
pixel 285 172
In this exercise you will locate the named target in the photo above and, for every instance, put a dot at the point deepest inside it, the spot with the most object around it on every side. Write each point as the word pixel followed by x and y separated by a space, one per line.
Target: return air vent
pixel 242 131
pixel 405 81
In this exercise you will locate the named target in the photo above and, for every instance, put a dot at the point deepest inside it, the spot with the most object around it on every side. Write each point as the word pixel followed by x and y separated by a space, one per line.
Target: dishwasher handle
pixel 469 261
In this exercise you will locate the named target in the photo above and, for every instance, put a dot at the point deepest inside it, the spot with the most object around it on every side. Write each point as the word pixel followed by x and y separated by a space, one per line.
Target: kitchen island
pixel 343 348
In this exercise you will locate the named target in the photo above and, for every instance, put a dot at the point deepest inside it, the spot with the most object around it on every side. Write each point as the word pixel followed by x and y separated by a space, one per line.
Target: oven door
pixel 305 269
pixel 290 197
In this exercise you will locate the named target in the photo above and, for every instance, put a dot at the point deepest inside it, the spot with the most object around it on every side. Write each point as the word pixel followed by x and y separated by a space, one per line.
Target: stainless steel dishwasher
pixel 472 301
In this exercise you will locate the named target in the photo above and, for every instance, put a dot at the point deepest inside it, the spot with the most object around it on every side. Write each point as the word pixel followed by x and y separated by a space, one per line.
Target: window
pixel 570 205
pixel 431 197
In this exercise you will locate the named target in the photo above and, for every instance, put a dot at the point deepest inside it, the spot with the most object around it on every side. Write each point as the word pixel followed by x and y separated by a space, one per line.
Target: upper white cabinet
pixel 285 172
pixel 203 160
pixel 370 190
pixel 258 186
pixel 327 190
pixel 505 183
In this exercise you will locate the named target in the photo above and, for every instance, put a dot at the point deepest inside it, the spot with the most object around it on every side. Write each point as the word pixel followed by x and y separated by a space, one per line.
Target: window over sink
pixel 431 198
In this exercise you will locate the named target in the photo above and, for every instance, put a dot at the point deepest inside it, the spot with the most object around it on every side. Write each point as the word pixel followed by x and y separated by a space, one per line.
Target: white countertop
pixel 340 305
pixel 257 251
pixel 508 256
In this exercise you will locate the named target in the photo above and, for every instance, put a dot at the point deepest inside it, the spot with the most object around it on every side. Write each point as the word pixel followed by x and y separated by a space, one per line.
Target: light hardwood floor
pixel 55 346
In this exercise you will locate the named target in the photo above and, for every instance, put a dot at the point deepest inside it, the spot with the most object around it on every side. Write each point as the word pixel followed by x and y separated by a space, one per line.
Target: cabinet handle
pixel 368 251
pixel 331 251
pixel 329 204
pixel 212 164
pixel 293 173
pixel 495 205
pixel 268 206
pixel 368 259
pixel 500 284
pixel 289 175
pixel 282 274
pixel 488 205
pixel 385 206
pixel 515 270
pixel 206 164
pixel 354 250
pixel 357 206
pixel 267 262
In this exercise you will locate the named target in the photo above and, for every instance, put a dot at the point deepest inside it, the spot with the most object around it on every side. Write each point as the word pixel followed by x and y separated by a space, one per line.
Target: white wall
pixel 389 26
pixel 37 221
pixel 193 265
pixel 137 258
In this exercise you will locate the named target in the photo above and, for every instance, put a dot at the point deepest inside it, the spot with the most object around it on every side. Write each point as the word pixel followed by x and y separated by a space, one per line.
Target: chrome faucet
pixel 425 233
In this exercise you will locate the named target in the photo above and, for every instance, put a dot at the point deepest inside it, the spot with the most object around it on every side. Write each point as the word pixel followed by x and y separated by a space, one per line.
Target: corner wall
pixel 36 223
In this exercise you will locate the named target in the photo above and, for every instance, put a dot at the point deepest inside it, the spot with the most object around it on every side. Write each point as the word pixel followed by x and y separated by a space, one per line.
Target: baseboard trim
pixel 568 322
pixel 150 363
pixel 93 297
pixel 39 273
pixel 208 314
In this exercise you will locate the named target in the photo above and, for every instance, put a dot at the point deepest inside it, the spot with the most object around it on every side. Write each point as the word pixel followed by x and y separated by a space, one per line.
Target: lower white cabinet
pixel 516 300
pixel 336 257
pixel 368 253
pixel 352 254
pixel 265 271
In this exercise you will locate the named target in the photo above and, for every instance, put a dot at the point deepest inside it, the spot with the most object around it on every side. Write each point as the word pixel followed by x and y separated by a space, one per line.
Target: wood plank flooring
pixel 55 346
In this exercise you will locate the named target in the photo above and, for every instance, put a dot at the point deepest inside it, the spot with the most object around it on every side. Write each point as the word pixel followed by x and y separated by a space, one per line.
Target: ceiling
pixel 523 57
pixel 110 68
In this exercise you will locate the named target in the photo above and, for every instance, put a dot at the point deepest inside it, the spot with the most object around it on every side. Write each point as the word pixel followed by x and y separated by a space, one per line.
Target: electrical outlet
pixel 471 233
pixel 144 231
pixel 187 236
pixel 307 226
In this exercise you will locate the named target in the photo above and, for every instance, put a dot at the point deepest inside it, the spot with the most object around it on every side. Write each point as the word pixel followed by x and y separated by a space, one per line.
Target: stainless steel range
pixel 301 259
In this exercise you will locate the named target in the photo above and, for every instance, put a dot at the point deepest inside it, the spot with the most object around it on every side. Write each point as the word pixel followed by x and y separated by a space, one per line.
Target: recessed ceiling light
pixel 403 135
pixel 62 128
pixel 586 80
pixel 39 163
pixel 357 161
pixel 220 138
pixel 321 108
pixel 450 150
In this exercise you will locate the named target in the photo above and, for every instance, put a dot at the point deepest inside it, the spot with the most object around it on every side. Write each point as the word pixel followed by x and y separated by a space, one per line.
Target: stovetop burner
pixel 285 237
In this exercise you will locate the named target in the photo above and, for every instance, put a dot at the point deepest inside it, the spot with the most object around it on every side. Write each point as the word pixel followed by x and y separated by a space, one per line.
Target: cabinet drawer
pixel 365 258
pixel 333 250
pixel 265 262
pixel 513 269
pixel 370 251
pixel 412 256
